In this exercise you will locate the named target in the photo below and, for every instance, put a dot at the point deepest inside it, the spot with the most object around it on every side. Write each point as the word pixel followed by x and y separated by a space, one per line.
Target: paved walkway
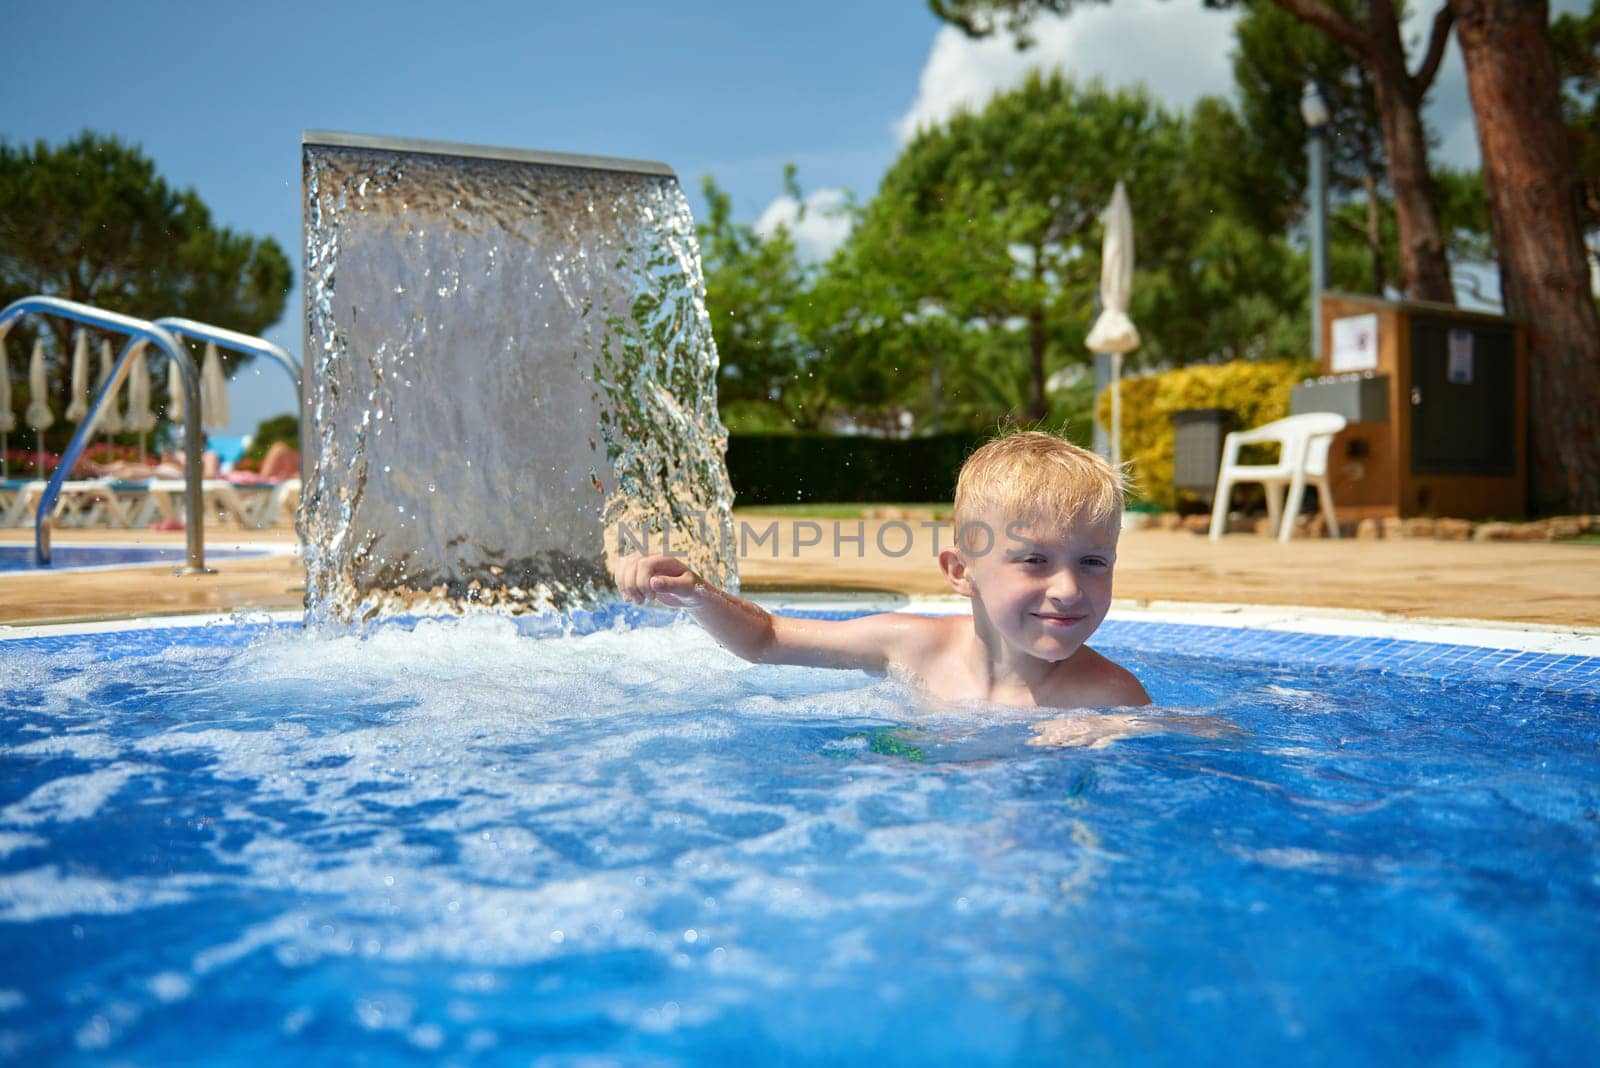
pixel 1542 583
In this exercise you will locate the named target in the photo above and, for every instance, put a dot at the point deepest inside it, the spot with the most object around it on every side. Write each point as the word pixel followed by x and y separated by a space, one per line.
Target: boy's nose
pixel 1063 586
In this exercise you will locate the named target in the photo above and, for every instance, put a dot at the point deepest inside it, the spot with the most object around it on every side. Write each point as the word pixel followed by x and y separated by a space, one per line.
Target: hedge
pixel 813 468
pixel 1256 393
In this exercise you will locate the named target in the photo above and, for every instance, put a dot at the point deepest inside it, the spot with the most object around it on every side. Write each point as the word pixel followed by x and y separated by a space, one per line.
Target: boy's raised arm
pixel 749 631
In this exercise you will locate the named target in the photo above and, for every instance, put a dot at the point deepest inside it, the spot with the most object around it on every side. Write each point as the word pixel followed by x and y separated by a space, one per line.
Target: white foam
pixel 45 893
pixel 76 797
pixel 11 843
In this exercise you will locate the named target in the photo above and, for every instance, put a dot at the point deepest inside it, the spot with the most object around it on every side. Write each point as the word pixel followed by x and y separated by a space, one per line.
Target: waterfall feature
pixel 509 375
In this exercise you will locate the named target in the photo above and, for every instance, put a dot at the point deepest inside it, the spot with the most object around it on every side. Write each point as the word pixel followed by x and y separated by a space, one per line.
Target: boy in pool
pixel 1036 522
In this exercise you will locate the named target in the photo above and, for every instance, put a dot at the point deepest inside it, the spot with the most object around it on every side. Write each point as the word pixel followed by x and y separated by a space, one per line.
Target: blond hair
pixel 1036 477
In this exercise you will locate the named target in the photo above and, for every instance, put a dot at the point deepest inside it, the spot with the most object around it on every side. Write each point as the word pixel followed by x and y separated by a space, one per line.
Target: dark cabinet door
pixel 1463 406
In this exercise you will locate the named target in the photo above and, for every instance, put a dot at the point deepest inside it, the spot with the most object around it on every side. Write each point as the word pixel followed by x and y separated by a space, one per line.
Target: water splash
pixel 512 379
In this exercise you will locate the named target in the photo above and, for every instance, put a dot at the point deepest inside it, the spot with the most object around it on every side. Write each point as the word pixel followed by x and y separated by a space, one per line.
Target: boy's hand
pixel 665 578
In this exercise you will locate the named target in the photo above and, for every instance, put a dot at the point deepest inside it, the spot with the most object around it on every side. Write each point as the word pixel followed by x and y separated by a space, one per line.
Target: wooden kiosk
pixel 1437 402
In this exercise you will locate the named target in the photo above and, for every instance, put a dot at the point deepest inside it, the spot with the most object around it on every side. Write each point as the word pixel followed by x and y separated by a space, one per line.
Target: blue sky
pixel 218 93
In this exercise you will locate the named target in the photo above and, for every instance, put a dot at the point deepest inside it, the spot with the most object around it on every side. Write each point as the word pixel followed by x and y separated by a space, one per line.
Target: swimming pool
pixel 79 557
pixel 461 843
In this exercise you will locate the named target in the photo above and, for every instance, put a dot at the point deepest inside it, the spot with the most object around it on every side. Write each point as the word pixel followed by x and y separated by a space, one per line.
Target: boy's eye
pixel 1095 561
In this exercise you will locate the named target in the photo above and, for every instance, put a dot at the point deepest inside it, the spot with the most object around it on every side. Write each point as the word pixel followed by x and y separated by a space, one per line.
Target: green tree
pixel 1533 192
pixel 1369 31
pixel 92 221
pixel 753 284
pixel 1576 40
pixel 1274 54
pixel 976 266
pixel 994 217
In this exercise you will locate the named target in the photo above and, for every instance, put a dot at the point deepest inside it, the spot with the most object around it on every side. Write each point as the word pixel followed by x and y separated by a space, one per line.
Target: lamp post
pixel 1314 110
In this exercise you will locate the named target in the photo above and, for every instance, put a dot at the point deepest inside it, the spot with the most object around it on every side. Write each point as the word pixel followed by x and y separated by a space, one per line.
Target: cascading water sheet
pixel 511 379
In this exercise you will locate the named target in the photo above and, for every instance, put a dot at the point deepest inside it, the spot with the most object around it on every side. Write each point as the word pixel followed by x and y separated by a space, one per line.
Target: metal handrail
pixel 232 339
pixel 137 329
pixel 246 343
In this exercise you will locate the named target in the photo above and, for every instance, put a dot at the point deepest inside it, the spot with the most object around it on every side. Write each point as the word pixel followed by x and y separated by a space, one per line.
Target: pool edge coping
pixel 236 551
pixel 1349 623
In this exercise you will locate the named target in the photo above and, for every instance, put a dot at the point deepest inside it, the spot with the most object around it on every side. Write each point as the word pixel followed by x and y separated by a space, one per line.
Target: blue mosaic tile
pixel 1446 662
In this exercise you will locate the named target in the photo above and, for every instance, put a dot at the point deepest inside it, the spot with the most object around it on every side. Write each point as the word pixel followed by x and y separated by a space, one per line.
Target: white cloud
pixel 1178 49
pixel 823 228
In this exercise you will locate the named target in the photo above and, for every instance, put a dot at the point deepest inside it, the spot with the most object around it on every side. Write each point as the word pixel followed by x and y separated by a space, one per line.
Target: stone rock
pixel 1538 531
pixel 1368 530
pixel 1452 529
pixel 1494 532
pixel 1169 521
pixel 1393 526
pixel 1565 526
pixel 1263 525
pixel 1418 528
pixel 1197 524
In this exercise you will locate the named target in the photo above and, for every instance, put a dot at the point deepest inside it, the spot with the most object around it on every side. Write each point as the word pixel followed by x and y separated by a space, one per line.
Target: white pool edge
pixel 1522 637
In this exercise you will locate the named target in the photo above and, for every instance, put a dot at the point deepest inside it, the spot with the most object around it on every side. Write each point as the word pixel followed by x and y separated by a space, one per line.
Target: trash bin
pixel 1197 450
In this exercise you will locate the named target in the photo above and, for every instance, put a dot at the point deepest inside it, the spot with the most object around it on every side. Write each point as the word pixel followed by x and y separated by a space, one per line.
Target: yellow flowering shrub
pixel 1255 392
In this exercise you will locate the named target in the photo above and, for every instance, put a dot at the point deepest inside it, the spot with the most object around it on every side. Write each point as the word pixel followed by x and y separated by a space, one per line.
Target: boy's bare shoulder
pixel 1097 681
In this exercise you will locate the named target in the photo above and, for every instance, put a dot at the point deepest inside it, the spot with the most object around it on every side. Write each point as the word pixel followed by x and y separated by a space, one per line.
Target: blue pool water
pixel 64 557
pixel 458 844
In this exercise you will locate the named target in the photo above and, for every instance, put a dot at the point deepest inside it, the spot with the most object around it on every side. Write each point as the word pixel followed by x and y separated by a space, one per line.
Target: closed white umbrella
pixel 8 418
pixel 38 414
pixel 109 421
pixel 1113 332
pixel 78 407
pixel 140 419
pixel 213 390
pixel 174 391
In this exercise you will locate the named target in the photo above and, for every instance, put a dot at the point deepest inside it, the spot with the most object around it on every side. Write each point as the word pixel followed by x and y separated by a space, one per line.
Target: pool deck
pixel 1527 583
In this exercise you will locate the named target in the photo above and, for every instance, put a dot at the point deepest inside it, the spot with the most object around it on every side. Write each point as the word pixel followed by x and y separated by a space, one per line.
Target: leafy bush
pixel 1256 393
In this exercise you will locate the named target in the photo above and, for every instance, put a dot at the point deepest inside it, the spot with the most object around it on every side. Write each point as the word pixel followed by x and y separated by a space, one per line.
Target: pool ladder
pixel 164 333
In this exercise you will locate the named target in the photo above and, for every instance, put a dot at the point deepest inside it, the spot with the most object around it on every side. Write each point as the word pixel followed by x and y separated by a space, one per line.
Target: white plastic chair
pixel 1303 455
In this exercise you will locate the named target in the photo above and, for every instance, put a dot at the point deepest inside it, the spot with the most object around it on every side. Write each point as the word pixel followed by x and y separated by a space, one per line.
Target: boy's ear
pixel 955 571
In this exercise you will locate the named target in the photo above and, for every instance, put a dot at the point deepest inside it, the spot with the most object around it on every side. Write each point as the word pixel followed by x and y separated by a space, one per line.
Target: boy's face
pixel 1044 587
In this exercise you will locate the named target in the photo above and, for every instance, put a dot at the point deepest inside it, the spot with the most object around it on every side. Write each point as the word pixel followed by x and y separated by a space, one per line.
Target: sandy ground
pixel 1519 582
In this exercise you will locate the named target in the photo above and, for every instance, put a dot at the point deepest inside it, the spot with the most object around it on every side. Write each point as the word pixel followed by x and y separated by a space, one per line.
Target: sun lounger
pixel 13 500
pixel 164 501
pixel 81 503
